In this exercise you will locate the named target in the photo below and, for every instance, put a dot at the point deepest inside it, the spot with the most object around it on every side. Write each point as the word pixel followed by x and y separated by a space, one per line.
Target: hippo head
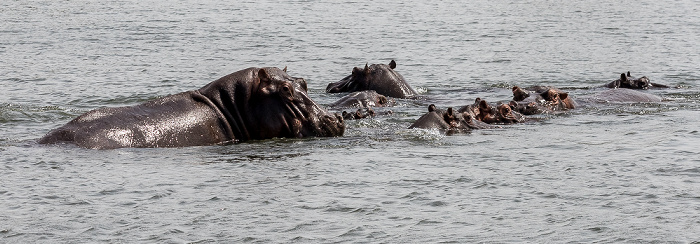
pixel 364 99
pixel 506 115
pixel 486 112
pixel 283 108
pixel 449 120
pixel 557 100
pixel 627 81
pixel 383 101
pixel 359 114
pixel 519 94
pixel 379 77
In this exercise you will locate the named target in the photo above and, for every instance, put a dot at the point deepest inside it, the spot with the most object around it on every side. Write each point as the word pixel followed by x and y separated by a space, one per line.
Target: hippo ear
pixel 483 104
pixel 546 95
pixel 392 64
pixel 431 108
pixel 563 95
pixel 264 78
pixel 628 74
pixel 367 68
pixel 623 77
pixel 285 69
pixel 262 74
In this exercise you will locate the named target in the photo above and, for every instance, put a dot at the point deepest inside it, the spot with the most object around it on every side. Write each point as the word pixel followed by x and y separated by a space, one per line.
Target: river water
pixel 603 173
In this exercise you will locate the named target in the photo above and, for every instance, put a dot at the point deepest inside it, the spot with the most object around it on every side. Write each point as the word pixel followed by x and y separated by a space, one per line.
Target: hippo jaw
pixel 309 119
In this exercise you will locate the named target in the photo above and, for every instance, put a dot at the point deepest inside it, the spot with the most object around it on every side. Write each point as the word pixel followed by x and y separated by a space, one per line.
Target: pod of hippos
pixel 264 103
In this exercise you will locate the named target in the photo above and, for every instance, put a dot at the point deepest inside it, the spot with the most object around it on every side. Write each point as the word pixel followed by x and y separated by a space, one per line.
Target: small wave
pixel 429 222
pixel 354 232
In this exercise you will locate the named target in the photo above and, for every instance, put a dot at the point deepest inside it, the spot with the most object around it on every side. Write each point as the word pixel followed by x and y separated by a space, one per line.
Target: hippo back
pixel 626 95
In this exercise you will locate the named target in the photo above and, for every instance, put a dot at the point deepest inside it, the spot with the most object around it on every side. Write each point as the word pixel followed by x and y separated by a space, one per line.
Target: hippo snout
pixel 335 118
pixel 332 125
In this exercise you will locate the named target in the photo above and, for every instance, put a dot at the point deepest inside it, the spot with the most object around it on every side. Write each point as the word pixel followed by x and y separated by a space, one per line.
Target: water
pixel 605 173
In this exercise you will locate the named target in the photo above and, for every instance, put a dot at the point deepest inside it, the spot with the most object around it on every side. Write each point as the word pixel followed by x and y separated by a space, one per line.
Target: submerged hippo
pixel 449 121
pixel 541 99
pixel 623 95
pixel 359 114
pixel 487 113
pixel 627 81
pixel 378 77
pixel 251 104
pixel 363 99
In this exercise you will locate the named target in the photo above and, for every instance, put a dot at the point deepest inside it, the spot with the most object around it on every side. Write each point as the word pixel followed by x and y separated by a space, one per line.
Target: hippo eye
pixel 287 91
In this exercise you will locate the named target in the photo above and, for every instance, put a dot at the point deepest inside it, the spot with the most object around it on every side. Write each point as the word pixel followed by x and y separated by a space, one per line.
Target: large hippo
pixel 627 81
pixel 363 99
pixel 378 77
pixel 541 99
pixel 251 104
pixel 449 121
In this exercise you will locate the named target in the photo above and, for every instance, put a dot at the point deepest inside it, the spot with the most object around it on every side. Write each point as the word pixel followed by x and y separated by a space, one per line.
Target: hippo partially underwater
pixel 250 104
pixel 541 99
pixel 627 81
pixel 378 77
pixel 449 121
pixel 363 99
pixel 480 115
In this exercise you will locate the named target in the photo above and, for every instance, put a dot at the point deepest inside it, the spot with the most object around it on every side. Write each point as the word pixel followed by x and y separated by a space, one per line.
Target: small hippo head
pixel 359 114
pixel 557 100
pixel 363 99
pixel 446 120
pixel 283 108
pixel 379 77
pixel 627 81
pixel 486 113
pixel 506 115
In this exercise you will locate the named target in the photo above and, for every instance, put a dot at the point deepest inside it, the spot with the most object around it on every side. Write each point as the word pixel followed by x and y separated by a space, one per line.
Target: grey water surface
pixel 602 173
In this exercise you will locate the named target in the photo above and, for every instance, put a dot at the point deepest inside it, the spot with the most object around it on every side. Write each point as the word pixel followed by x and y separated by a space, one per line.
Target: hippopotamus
pixel 250 104
pixel 627 81
pixel 378 77
pixel 363 99
pixel 449 121
pixel 540 99
pixel 487 113
pixel 359 114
